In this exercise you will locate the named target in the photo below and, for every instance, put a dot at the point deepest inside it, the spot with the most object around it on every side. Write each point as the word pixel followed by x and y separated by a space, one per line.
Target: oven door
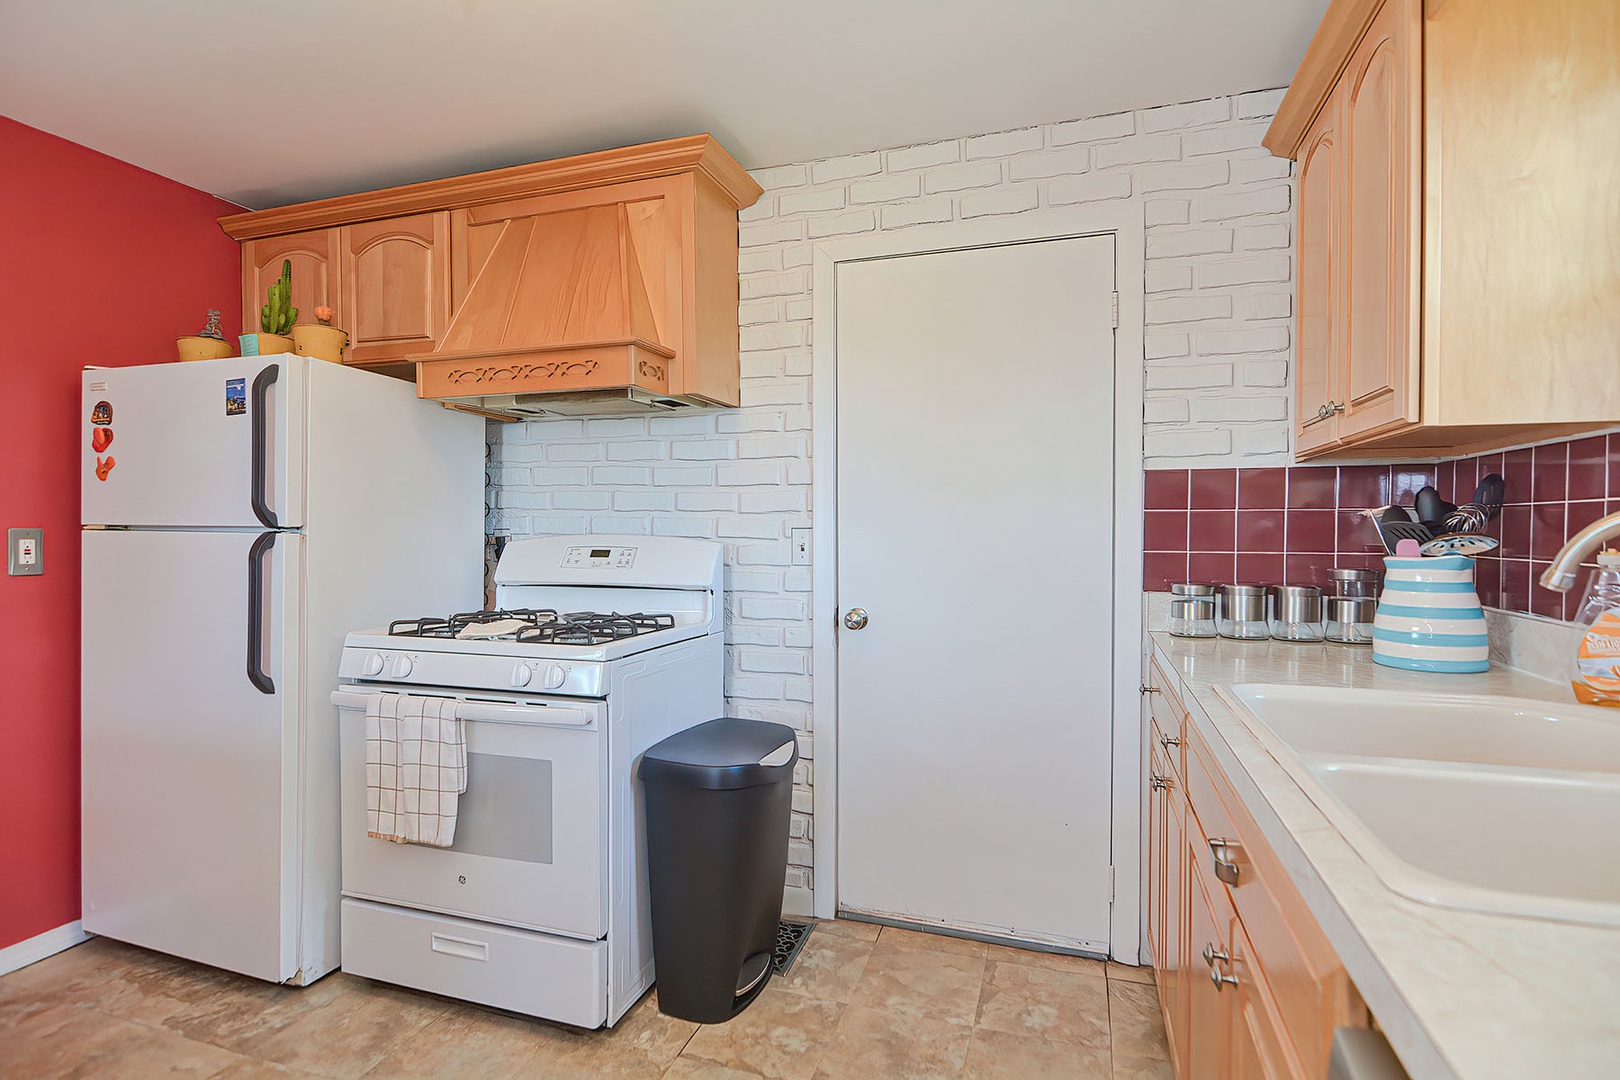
pixel 531 830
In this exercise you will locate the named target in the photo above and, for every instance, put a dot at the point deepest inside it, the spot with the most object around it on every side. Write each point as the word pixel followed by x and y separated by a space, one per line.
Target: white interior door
pixel 189 789
pixel 975 523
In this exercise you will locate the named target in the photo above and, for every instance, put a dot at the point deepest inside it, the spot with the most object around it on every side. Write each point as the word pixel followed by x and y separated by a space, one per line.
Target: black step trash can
pixel 718 799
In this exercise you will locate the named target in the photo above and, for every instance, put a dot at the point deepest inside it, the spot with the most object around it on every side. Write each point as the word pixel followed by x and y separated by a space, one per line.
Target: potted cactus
pixel 276 318
pixel 320 339
pixel 208 345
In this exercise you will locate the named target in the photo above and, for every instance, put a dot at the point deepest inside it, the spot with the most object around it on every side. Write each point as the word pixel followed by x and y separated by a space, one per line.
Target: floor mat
pixel 790 938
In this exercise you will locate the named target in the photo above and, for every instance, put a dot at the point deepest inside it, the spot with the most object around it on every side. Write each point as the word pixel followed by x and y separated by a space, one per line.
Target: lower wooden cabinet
pixel 1249 985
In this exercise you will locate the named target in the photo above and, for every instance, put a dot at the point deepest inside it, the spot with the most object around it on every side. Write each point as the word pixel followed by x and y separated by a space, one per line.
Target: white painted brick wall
pixel 1217 348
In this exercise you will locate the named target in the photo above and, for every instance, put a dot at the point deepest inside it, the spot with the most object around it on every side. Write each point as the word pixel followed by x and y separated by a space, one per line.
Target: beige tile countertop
pixel 1461 995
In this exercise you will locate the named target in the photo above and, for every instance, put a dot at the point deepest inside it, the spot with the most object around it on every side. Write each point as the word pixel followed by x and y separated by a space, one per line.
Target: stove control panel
pixel 425 668
pixel 616 558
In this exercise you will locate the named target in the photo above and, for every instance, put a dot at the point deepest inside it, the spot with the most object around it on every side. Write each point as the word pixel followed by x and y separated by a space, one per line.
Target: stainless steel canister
pixel 1193 617
pixel 1242 612
pixel 1296 613
pixel 1182 589
pixel 1350 619
pixel 1353 582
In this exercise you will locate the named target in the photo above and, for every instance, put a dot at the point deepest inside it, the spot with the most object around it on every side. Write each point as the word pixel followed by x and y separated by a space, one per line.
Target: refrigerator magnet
pixel 235 397
pixel 104 465
pixel 100 439
pixel 102 413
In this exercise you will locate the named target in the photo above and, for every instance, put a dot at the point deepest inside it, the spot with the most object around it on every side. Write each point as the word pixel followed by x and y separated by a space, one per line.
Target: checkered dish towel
pixel 416 769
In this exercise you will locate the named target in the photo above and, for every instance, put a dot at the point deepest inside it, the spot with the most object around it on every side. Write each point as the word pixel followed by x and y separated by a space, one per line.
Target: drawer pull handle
pixel 1219 979
pixel 1226 869
pixel 1167 741
pixel 1159 783
pixel 1212 955
pixel 462 947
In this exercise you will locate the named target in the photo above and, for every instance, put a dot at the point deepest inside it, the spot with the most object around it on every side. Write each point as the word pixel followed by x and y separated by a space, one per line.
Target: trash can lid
pixel 729 752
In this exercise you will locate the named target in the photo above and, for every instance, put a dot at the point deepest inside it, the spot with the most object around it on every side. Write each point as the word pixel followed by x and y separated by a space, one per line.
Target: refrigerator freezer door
pixel 209 443
pixel 189 780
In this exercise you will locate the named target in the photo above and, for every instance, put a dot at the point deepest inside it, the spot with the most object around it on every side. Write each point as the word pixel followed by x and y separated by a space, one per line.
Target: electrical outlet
pixel 25 554
pixel 801 546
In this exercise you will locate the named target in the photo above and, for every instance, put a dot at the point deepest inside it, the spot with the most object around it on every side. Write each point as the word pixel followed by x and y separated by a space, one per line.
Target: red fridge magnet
pixel 102 413
pixel 100 439
pixel 104 465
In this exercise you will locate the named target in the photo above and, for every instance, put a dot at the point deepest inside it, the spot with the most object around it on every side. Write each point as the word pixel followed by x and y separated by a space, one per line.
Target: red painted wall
pixel 100 263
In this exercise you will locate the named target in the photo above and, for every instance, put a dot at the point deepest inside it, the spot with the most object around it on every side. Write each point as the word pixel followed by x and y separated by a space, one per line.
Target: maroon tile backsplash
pixel 1291 525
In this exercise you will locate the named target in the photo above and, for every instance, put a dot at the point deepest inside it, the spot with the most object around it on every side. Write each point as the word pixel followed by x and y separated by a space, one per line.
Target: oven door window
pixel 506 812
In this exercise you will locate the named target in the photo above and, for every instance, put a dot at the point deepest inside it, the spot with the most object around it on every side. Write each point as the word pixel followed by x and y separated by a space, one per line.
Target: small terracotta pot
pixel 265 344
pixel 320 341
pixel 197 347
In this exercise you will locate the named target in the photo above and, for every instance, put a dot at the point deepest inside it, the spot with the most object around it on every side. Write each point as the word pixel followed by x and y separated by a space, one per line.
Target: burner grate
pixel 455 624
pixel 593 628
pixel 790 939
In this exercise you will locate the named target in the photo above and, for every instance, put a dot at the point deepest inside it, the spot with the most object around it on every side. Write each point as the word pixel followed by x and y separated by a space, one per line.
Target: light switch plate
pixel 801 546
pixel 25 552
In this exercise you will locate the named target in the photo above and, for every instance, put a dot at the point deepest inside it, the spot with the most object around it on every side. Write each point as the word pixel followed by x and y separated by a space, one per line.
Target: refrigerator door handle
pixel 261 431
pixel 255 635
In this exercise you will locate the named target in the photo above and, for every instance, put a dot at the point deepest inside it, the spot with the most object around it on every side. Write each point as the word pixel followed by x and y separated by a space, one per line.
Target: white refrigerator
pixel 240 516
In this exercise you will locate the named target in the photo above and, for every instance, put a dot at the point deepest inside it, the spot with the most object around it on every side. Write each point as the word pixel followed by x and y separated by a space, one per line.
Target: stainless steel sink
pixel 1468 801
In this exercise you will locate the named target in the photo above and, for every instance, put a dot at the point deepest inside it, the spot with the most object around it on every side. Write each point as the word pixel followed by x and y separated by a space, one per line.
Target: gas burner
pixel 467 623
pixel 591 628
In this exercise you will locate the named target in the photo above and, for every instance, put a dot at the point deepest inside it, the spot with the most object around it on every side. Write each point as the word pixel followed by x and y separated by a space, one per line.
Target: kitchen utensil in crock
pixel 1431 509
pixel 1463 543
pixel 1472 517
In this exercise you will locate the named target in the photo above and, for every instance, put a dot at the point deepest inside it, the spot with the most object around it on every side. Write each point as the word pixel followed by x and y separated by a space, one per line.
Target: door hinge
pixel 1116 311
pixel 1110 884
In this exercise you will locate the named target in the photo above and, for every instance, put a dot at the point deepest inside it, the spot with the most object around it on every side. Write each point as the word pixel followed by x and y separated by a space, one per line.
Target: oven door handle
pixel 546 715
pixel 486 711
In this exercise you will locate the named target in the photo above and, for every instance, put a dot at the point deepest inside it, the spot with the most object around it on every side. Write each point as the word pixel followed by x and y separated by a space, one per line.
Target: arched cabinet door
pixel 315 274
pixel 1378 384
pixel 1320 285
pixel 396 287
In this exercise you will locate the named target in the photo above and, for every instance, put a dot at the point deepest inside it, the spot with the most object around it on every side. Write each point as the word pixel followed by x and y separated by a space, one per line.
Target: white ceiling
pixel 276 101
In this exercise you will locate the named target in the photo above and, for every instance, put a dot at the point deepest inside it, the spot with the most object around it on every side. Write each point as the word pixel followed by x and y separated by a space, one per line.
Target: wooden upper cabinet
pixel 1379 108
pixel 316 274
pixel 591 285
pixel 1474 281
pixel 1320 282
pixel 396 287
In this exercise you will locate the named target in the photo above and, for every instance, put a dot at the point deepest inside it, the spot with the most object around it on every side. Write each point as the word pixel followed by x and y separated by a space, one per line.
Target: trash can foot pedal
pixel 754 969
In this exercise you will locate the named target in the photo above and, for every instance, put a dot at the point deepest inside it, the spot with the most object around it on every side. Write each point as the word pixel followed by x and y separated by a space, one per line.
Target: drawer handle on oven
pixel 522 714
pixel 462 947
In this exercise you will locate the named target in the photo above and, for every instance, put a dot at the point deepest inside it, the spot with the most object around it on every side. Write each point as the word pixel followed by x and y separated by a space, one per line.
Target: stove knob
pixel 521 675
pixel 555 676
pixel 373 665
pixel 402 666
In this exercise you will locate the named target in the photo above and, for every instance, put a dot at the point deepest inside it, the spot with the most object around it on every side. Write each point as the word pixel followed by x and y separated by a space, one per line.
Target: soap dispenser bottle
pixel 1597 657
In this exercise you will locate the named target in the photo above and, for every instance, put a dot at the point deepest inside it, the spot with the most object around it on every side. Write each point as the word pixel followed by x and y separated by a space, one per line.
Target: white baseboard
pixel 798 902
pixel 40 946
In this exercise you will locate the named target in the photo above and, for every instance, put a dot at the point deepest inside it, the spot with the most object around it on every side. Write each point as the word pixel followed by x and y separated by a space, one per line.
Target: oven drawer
pixel 535 974
pixel 531 831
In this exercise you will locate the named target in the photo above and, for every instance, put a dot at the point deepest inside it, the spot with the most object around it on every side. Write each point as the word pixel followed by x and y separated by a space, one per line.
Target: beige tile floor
pixel 858 1004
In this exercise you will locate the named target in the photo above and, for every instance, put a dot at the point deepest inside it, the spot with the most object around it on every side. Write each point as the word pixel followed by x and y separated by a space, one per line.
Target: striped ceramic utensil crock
pixel 1429 617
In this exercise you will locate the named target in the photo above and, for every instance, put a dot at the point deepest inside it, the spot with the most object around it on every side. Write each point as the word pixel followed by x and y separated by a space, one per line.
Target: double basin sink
pixel 1466 801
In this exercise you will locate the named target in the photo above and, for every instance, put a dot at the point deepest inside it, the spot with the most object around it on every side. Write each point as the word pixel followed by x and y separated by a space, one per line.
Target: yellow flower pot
pixel 197 347
pixel 320 341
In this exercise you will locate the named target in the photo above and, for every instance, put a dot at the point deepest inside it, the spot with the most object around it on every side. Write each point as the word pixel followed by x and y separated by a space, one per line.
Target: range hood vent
pixel 629 401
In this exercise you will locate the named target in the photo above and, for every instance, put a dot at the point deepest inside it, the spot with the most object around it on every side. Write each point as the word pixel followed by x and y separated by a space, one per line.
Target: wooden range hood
pixel 594 285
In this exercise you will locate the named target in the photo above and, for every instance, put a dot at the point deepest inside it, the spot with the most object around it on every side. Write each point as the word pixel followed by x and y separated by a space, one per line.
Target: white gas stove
pixel 602 646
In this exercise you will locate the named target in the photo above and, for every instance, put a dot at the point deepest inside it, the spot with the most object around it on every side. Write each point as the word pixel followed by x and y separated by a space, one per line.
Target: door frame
pixel 1123 222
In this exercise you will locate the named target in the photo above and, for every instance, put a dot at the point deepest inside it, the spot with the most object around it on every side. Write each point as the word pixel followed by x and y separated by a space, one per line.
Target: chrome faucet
pixel 1561 574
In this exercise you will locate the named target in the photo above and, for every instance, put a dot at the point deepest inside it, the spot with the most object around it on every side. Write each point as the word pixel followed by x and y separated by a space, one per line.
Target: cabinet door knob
pixel 1324 413
pixel 1167 741
pixel 1158 783
pixel 1221 980
pixel 1212 954
pixel 1150 689
pixel 1226 869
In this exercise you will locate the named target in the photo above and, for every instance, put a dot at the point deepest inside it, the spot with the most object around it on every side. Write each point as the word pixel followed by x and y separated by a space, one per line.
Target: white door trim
pixel 1124 222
